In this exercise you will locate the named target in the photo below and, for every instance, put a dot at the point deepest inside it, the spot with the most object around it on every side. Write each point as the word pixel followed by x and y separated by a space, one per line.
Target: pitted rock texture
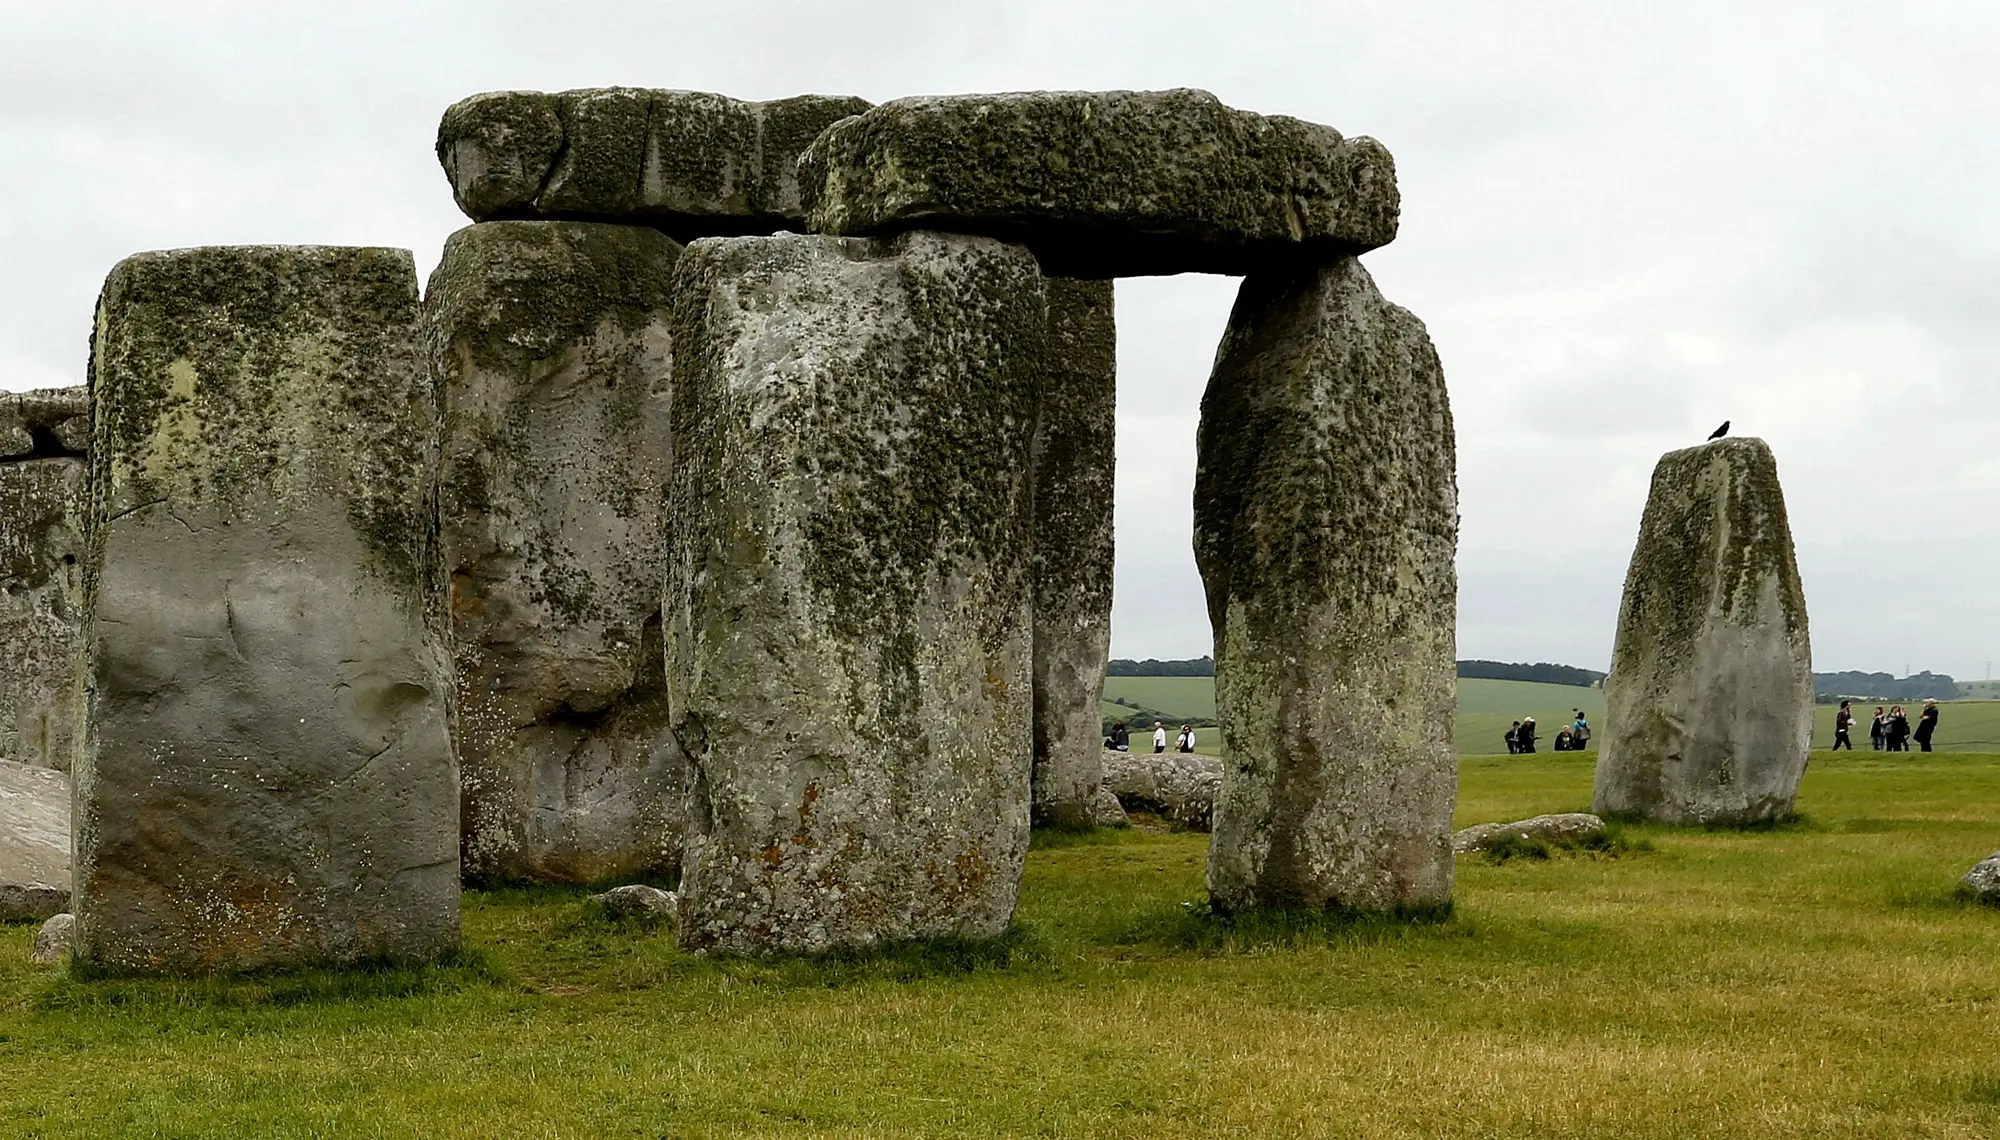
pixel 1982 882
pixel 690 163
pixel 54 939
pixel 1106 183
pixel 639 899
pixel 1561 827
pixel 1709 702
pixel 266 776
pixel 549 341
pixel 1326 522
pixel 34 841
pixel 848 596
pixel 1176 786
pixel 1074 467
pixel 43 436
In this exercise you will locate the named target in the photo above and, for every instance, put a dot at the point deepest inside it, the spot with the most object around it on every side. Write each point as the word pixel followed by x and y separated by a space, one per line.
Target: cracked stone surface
pixel 690 163
pixel 1075 464
pixel 1106 183
pixel 1176 786
pixel 549 340
pixel 266 777
pixel 1709 703
pixel 34 841
pixel 1326 524
pixel 848 600
pixel 43 436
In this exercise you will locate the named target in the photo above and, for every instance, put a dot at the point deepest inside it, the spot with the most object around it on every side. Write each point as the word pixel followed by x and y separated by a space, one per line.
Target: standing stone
pixel 550 343
pixel 1326 521
pixel 1710 697
pixel 848 598
pixel 689 162
pixel 34 841
pixel 43 436
pixel 1106 183
pixel 1075 463
pixel 266 776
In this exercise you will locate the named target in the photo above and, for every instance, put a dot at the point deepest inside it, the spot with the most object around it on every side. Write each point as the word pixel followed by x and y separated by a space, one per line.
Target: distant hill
pixel 1154 667
pixel 1831 687
pixel 1541 672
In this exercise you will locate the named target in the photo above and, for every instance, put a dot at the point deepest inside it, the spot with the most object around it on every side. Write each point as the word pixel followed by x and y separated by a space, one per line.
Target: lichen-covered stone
pixel 1561 827
pixel 54 939
pixel 848 600
pixel 42 440
pixel 1326 523
pixel 549 340
pixel 1177 786
pixel 1710 696
pixel 34 842
pixel 1982 882
pixel 1106 183
pixel 1074 467
pixel 266 776
pixel 688 162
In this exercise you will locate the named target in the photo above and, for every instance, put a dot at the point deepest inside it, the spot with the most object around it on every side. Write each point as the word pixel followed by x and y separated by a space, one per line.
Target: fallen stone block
pixel 690 163
pixel 848 600
pixel 1982 882
pixel 1710 696
pixel 1326 523
pixel 637 898
pixel 34 842
pixel 42 440
pixel 1075 463
pixel 1106 183
pixel 1105 810
pixel 1176 786
pixel 1563 827
pixel 549 341
pixel 54 940
pixel 267 777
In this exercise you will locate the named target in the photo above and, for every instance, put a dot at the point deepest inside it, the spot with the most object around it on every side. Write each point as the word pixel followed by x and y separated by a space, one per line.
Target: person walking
pixel 1927 723
pixel 1879 731
pixel 1579 732
pixel 1159 737
pixel 1526 736
pixel 1187 738
pixel 1842 722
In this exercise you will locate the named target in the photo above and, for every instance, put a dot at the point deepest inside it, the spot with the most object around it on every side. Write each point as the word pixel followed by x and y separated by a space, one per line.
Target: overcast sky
pixel 1623 223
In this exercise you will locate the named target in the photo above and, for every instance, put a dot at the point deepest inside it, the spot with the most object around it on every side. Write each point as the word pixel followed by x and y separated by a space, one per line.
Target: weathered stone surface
pixel 266 776
pixel 1105 810
pixel 34 841
pixel 1177 786
pixel 1982 882
pixel 1326 522
pixel 1710 697
pixel 688 162
pixel 637 898
pixel 1074 467
pixel 1106 183
pixel 54 939
pixel 848 597
pixel 42 439
pixel 549 340
pixel 1562 827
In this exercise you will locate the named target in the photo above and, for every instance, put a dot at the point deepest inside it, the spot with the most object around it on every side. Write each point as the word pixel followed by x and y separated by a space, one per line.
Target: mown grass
pixel 1818 979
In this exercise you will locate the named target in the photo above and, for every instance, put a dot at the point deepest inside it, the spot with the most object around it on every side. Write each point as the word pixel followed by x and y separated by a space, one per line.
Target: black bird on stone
pixel 1718 433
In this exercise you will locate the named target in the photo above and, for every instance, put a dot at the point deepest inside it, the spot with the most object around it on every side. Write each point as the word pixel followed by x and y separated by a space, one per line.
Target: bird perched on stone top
pixel 1718 433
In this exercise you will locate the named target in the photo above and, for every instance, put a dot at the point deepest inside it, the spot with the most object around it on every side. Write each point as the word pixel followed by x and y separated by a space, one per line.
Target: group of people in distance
pixel 1120 739
pixel 1572 737
pixel 1890 731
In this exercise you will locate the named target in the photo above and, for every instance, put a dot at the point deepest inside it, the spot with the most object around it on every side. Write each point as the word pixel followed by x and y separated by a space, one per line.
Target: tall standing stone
pixel 266 776
pixel 550 342
pixel 1325 528
pixel 43 436
pixel 849 591
pixel 1075 463
pixel 1710 696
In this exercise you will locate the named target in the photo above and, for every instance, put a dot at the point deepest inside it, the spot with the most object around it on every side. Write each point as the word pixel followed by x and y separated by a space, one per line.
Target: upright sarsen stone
pixel 550 342
pixel 1075 464
pixel 1326 523
pixel 1710 697
pixel 849 591
pixel 42 440
pixel 266 776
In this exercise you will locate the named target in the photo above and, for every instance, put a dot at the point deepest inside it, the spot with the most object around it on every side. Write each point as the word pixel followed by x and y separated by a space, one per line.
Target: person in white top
pixel 1187 739
pixel 1159 737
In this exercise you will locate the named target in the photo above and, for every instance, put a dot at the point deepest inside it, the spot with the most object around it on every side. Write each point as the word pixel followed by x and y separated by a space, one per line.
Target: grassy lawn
pixel 1813 980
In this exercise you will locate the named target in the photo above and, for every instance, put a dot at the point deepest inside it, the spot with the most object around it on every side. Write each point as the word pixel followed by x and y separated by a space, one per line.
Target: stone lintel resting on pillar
pixel 1325 529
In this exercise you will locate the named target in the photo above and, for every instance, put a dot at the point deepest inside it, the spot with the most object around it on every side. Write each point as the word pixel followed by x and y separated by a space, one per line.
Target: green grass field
pixel 1815 980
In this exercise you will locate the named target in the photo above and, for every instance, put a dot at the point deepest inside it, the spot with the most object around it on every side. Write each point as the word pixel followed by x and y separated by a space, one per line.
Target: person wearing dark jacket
pixel 1899 729
pixel 1878 732
pixel 1514 738
pixel 1525 738
pixel 1843 722
pixel 1927 724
